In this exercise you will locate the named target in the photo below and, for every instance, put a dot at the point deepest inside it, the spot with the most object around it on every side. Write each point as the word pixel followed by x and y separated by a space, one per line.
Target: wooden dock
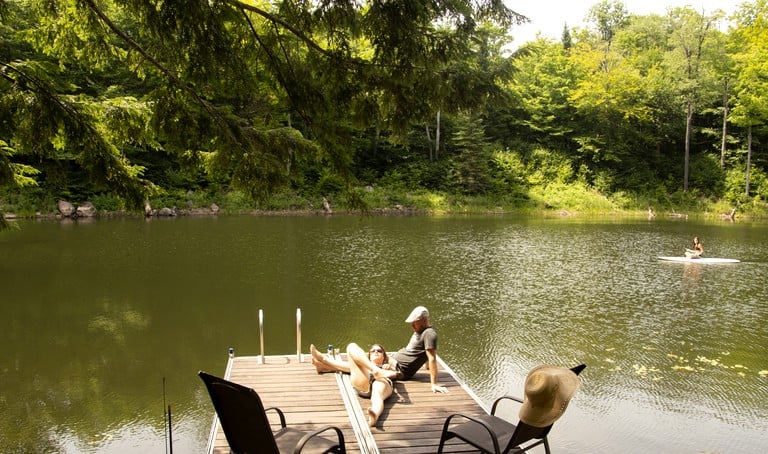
pixel 411 423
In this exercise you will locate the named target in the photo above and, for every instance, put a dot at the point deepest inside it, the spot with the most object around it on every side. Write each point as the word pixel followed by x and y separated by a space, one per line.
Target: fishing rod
pixel 167 433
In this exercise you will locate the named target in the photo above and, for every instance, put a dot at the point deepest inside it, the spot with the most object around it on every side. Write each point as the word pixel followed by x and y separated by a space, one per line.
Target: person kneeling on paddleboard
pixel 696 250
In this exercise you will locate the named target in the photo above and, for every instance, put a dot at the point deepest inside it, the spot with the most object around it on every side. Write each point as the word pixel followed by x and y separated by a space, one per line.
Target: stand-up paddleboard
pixel 699 260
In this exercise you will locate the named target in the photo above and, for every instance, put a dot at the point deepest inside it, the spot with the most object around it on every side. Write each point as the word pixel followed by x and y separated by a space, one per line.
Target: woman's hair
pixel 383 352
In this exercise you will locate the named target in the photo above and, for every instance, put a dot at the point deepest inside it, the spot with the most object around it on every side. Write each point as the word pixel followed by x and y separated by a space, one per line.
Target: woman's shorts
pixel 371 379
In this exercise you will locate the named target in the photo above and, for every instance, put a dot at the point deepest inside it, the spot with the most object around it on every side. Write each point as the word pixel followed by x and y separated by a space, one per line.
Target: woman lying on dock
pixel 360 367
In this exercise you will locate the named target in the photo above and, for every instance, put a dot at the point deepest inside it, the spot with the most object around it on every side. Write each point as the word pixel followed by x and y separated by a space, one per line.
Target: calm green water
pixel 102 324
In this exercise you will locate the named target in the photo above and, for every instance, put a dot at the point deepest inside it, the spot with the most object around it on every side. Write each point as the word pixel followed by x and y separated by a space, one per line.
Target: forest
pixel 379 104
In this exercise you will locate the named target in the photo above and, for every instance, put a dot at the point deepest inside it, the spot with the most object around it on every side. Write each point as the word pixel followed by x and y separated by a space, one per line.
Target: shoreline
pixel 385 211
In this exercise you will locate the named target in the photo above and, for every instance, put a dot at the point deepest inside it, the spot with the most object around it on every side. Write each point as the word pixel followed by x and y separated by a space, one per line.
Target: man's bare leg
pixel 324 364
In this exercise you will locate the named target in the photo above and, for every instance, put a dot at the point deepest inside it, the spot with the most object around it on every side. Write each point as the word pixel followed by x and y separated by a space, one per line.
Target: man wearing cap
pixel 421 349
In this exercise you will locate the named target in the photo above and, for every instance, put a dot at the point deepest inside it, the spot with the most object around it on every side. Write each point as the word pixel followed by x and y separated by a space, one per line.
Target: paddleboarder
pixel 696 250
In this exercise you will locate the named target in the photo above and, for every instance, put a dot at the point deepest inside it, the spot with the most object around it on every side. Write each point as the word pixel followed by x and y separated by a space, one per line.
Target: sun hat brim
pixel 548 390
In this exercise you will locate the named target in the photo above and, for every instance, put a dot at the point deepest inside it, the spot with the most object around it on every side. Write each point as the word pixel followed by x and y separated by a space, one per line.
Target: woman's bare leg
pixel 324 364
pixel 357 355
pixel 360 367
pixel 380 391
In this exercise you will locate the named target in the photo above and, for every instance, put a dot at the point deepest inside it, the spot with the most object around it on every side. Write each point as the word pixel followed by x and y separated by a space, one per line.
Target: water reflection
pixel 690 282
pixel 97 315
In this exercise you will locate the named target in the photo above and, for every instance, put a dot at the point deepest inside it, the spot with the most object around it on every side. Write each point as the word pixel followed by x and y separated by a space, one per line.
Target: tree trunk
pixel 429 143
pixel 437 136
pixel 688 128
pixel 290 151
pixel 749 157
pixel 725 126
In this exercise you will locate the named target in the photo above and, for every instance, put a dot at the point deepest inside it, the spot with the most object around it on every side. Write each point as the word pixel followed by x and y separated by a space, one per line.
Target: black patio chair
pixel 494 435
pixel 247 428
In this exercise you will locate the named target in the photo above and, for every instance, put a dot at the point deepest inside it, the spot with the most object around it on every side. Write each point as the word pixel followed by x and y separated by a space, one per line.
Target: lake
pixel 106 322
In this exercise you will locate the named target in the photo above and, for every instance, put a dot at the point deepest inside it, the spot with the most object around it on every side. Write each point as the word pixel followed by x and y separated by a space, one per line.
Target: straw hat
pixel 547 392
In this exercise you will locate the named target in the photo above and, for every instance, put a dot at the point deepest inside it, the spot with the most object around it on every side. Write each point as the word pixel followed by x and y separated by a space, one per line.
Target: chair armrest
pixel 496 402
pixel 279 412
pixel 482 423
pixel 309 435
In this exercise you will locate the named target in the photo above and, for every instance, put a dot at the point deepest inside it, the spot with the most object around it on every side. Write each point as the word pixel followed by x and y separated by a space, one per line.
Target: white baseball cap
pixel 418 313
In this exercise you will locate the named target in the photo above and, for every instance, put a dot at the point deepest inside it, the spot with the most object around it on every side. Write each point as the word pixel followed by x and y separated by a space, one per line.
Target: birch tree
pixel 685 61
pixel 751 89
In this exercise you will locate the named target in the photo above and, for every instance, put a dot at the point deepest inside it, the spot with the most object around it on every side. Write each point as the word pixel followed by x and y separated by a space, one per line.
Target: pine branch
pixel 277 20
pixel 211 110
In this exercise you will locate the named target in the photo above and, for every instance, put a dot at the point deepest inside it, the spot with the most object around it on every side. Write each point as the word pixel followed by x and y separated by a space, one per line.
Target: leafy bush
pixel 603 181
pixel 688 201
pixel 166 198
pixel 468 172
pixel 759 183
pixel 576 196
pixel 509 172
pixel 108 202
pixel 235 201
pixel 394 179
pixel 545 167
pixel 428 200
pixel 288 200
pixel 355 199
pixel 377 198
pixel 428 175
pixel 27 201
pixel 329 183
pixel 735 190
pixel 735 184
pixel 706 175
pixel 623 200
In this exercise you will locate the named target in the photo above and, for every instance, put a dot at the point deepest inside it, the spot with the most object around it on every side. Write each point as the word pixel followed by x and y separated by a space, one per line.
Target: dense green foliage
pixel 378 104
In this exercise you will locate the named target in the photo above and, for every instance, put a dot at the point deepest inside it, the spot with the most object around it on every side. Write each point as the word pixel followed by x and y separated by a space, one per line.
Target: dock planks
pixel 411 423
